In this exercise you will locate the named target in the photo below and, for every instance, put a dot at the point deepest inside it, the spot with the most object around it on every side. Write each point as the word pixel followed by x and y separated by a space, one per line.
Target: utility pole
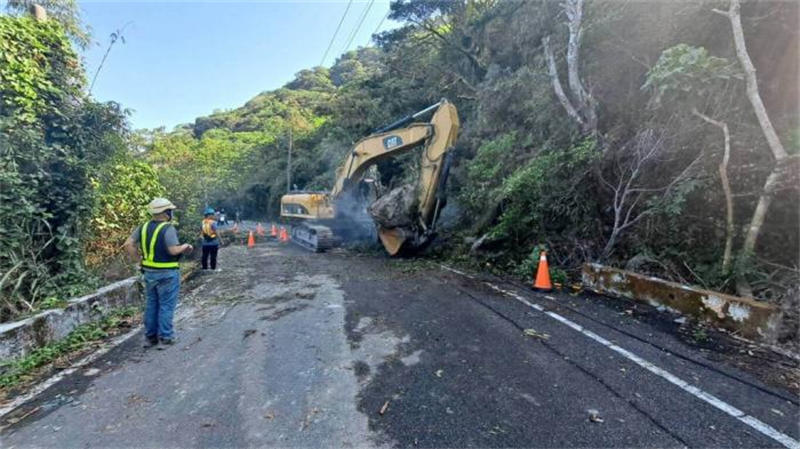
pixel 289 164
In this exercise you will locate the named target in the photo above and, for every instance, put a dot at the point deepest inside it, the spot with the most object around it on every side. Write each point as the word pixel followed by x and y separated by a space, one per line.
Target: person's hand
pixel 187 248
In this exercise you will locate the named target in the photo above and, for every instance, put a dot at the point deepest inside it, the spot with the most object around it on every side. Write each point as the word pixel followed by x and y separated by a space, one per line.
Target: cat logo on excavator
pixel 392 142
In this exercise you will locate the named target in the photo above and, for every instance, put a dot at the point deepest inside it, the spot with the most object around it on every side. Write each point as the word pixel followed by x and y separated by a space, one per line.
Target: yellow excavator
pixel 321 219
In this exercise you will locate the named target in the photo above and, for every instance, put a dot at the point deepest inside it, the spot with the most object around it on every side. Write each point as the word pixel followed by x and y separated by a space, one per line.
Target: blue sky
pixel 182 60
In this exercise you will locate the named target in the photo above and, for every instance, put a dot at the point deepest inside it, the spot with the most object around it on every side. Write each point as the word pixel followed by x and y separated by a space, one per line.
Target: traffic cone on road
pixel 284 235
pixel 260 230
pixel 542 281
pixel 274 231
pixel 251 241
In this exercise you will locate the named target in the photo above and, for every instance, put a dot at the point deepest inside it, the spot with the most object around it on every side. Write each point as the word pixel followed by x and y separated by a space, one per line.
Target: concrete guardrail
pixel 751 318
pixel 19 338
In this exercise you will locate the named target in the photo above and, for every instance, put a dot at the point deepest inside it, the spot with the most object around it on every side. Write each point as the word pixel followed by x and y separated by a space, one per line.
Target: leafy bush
pixel 550 199
pixel 51 138
pixel 487 170
pixel 121 189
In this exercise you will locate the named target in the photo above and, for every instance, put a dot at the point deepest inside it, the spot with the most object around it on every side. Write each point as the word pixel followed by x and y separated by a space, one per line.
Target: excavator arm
pixel 437 138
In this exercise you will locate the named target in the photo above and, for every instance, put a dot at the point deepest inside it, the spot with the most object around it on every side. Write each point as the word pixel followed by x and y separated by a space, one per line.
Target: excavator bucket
pixel 392 239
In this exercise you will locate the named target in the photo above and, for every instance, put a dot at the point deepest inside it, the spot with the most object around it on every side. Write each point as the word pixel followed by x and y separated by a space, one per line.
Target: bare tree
pixel 774 143
pixel 582 107
pixel 726 188
pixel 633 198
pixel 113 38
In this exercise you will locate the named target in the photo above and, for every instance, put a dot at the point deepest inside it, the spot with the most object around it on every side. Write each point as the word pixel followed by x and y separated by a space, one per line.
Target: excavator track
pixel 316 238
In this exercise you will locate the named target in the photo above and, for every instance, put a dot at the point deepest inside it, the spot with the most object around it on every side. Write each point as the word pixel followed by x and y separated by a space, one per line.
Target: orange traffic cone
pixel 260 230
pixel 251 242
pixel 284 235
pixel 274 231
pixel 542 281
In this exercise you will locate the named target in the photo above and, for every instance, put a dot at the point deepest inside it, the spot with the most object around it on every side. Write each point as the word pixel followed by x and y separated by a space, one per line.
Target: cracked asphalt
pixel 285 348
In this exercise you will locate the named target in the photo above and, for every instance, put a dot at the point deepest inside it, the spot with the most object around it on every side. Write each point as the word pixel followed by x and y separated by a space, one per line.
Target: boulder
pixel 395 209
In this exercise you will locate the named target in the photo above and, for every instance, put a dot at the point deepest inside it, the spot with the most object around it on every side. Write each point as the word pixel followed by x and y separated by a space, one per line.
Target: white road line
pixel 39 388
pixel 753 422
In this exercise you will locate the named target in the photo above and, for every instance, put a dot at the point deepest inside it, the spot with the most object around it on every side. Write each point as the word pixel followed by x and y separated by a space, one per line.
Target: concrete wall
pixel 21 337
pixel 753 319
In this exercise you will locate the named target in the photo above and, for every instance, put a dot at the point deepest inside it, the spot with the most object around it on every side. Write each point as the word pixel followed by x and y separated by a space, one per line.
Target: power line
pixel 380 23
pixel 358 26
pixel 330 44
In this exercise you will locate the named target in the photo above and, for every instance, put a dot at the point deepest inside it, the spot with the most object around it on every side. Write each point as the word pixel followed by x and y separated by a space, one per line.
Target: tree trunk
pixel 559 91
pixel 775 146
pixel 574 12
pixel 726 188
pixel 760 214
pixel 774 142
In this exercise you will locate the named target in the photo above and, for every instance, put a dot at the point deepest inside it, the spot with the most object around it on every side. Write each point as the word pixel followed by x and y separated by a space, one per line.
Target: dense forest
pixel 661 137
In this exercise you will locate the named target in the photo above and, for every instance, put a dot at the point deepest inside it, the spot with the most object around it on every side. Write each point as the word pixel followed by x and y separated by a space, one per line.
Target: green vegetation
pixel 15 371
pixel 119 188
pixel 52 137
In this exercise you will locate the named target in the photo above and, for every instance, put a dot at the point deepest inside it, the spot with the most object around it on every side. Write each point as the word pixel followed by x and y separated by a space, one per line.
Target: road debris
pixel 439 372
pixel 536 334
pixel 307 420
pixel 29 413
pixel 497 430
pixel 135 399
pixel 195 341
pixel 680 320
pixel 247 333
pixel 776 411
pixel 91 372
pixel 385 406
pixel 594 416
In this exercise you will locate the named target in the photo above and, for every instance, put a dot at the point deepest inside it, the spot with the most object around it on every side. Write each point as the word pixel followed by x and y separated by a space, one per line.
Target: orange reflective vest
pixel 208 231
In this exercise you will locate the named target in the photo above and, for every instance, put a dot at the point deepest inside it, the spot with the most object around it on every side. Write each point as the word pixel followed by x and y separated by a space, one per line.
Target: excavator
pixel 322 219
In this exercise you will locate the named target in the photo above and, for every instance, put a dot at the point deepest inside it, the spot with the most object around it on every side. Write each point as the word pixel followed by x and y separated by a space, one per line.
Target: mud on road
pixel 288 348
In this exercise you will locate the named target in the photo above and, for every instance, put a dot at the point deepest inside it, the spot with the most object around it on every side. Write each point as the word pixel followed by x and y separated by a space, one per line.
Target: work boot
pixel 149 342
pixel 166 342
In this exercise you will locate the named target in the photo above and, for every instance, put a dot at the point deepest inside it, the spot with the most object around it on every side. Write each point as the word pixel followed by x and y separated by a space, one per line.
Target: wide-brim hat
pixel 159 205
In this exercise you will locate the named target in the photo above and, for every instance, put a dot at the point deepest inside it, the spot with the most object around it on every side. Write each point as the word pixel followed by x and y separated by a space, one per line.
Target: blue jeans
pixel 162 288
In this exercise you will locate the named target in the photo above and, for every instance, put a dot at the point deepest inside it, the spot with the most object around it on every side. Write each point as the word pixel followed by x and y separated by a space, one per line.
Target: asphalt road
pixel 287 348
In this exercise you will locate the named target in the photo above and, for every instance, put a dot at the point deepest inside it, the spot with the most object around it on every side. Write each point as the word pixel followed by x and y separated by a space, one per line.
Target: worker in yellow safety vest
pixel 156 244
